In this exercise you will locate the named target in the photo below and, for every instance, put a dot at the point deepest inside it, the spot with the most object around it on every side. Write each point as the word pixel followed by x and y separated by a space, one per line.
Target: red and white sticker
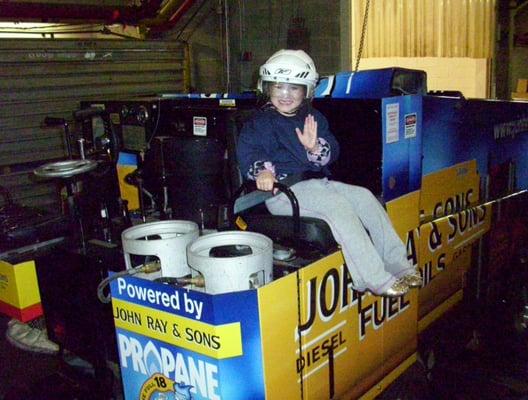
pixel 200 126
pixel 410 125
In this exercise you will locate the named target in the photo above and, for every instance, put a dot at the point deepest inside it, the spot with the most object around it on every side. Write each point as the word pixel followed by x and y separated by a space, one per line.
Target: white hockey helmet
pixel 289 66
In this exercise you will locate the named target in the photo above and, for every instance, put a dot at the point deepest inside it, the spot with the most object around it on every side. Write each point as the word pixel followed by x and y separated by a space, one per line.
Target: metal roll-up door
pixel 49 78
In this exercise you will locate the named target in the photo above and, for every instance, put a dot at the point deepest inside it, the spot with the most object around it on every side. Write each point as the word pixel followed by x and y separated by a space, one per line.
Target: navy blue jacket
pixel 269 141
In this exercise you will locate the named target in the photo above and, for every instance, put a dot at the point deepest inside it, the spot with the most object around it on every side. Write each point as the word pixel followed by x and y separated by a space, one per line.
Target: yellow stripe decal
pixel 216 341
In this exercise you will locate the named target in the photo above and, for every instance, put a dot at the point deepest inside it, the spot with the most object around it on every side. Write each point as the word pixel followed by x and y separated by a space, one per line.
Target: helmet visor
pixel 280 89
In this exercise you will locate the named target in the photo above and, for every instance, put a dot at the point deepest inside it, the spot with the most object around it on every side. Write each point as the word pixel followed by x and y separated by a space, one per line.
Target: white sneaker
pixel 17 329
pixel 27 338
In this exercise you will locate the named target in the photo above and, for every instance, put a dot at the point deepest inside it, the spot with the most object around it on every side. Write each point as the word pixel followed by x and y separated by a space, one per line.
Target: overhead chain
pixel 363 34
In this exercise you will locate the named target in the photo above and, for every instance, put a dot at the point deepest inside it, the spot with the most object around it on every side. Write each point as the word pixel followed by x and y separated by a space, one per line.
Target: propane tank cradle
pixel 224 274
pixel 167 240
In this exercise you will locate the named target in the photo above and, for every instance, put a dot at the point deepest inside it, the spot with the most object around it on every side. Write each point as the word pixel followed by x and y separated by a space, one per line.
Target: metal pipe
pixel 52 12
pixel 166 21
pixel 163 14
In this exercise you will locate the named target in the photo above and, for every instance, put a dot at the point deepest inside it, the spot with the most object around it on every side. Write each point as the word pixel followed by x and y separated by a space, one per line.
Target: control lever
pixel 81 147
pixel 167 212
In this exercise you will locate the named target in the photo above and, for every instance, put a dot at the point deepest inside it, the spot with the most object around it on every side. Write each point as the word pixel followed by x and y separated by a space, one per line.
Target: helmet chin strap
pixel 289 113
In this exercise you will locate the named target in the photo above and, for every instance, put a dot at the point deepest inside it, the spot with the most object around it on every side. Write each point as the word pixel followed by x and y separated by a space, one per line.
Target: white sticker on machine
pixel 200 126
pixel 392 116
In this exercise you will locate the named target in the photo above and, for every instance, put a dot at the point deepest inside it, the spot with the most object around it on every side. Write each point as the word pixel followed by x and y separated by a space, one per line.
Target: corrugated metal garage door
pixel 40 78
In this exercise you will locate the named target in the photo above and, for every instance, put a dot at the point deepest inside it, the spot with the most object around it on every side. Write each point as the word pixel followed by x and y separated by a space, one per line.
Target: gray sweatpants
pixel 374 261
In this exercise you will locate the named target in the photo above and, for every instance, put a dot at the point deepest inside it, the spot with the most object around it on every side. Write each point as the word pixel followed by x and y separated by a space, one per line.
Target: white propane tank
pixel 167 240
pixel 225 273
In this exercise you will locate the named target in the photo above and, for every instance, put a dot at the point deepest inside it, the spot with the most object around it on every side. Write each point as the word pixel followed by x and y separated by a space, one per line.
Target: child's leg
pixel 317 200
pixel 377 222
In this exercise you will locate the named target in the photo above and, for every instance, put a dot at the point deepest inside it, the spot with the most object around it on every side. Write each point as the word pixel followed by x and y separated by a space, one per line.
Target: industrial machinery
pixel 442 182
pixel 94 215
pixel 451 185
pixel 176 139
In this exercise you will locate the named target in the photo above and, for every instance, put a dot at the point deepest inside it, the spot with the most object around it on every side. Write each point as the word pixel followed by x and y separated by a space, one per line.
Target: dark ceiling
pixel 154 15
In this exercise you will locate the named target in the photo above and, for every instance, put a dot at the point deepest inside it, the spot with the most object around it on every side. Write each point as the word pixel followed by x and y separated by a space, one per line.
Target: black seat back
pixel 279 228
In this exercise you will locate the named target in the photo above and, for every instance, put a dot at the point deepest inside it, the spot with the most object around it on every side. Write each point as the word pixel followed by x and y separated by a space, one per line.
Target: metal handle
pixel 248 186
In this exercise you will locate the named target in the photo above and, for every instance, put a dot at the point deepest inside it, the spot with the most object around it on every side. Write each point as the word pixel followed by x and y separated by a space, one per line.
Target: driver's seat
pixel 279 228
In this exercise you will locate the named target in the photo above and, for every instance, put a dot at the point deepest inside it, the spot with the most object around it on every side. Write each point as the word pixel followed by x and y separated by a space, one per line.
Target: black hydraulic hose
pixel 135 178
pixel 145 268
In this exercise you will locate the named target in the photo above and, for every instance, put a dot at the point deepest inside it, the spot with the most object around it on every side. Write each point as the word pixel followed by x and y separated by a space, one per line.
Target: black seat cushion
pixel 279 228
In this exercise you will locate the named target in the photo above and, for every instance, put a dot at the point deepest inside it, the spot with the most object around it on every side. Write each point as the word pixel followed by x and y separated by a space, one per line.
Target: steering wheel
pixel 65 169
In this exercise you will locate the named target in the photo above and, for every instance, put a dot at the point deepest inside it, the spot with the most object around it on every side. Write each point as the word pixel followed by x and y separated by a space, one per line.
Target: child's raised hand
pixel 308 136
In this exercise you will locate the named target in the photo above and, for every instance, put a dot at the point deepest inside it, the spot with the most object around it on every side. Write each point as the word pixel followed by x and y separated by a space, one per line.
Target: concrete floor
pixel 486 374
pixel 27 375
pixel 477 356
pixel 496 369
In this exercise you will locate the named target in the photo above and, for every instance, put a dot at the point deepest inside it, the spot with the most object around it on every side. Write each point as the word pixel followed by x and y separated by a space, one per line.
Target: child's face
pixel 286 97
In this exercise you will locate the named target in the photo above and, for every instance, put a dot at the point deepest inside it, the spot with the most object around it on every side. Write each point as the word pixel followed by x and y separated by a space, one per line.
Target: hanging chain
pixel 363 34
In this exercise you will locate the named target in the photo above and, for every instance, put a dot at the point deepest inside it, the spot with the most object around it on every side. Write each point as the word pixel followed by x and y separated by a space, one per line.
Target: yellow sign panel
pixel 18 284
pixel 449 190
pixel 342 338
pixel 403 213
pixel 221 341
pixel 445 253
pixel 453 222
pixel 128 191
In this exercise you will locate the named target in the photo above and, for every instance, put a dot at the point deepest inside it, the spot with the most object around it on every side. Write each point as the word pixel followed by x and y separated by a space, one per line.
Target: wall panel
pixel 425 28
pixel 40 78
